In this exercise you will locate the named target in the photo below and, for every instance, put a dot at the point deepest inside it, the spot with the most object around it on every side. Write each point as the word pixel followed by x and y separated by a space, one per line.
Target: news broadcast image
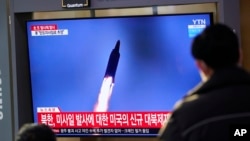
pixel 113 76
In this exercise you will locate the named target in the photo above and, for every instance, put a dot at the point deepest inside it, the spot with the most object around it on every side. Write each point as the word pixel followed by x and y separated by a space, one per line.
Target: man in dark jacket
pixel 221 102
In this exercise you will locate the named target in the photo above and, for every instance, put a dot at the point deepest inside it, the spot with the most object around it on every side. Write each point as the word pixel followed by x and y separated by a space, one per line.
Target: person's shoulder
pixel 189 106
pixel 187 101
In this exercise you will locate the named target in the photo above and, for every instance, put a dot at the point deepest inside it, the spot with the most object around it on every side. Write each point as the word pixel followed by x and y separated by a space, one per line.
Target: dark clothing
pixel 208 112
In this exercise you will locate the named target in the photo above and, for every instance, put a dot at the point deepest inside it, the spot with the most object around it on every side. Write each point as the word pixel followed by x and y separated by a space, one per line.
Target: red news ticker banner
pixel 57 119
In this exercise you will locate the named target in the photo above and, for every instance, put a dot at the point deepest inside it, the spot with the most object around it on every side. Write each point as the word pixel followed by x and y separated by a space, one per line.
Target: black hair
pixel 35 132
pixel 217 46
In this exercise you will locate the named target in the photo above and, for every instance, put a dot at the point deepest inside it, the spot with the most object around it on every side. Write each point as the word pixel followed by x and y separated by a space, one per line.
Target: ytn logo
pixel 240 132
pixel 199 21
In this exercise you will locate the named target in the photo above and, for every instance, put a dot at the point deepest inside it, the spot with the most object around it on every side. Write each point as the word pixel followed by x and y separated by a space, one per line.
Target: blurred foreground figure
pixel 220 103
pixel 35 132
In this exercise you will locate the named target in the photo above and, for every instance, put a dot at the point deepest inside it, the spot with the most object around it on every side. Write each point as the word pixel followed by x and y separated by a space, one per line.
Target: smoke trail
pixel 104 95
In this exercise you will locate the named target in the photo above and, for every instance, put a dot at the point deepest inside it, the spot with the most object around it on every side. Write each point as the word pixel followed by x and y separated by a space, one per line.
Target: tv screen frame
pixel 108 76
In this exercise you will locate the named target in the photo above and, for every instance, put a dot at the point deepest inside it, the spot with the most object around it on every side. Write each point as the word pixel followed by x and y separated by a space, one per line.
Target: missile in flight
pixel 113 61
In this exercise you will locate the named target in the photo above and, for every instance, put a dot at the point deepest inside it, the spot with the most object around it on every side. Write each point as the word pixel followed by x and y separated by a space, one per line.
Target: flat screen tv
pixel 111 76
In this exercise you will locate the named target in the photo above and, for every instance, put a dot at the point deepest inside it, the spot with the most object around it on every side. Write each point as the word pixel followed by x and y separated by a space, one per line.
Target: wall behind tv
pixel 245 32
pixel 5 76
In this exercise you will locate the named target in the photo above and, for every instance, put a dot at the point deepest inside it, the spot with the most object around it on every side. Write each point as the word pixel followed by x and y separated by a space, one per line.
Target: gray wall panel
pixel 55 5
pixel 6 115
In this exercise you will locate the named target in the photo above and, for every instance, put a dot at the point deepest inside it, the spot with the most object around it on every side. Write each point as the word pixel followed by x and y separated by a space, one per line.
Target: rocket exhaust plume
pixel 108 81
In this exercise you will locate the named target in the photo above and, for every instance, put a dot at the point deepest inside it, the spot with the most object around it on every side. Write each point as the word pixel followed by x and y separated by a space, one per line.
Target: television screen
pixel 111 76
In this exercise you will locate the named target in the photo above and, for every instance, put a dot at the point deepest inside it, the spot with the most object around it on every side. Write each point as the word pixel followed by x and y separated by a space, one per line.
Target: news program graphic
pixel 197 27
pixel 47 30
pixel 105 123
pixel 108 81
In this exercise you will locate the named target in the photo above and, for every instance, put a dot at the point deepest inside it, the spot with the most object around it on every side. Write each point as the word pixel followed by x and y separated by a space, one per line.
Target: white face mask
pixel 204 77
pixel 204 70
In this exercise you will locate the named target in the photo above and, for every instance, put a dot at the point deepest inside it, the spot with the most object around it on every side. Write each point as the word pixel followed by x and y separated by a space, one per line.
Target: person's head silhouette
pixel 215 48
pixel 35 132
